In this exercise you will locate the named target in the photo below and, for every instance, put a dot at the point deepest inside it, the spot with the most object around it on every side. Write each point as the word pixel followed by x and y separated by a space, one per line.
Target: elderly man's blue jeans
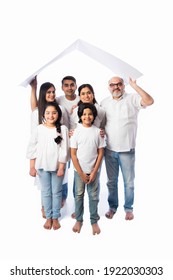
pixel 126 162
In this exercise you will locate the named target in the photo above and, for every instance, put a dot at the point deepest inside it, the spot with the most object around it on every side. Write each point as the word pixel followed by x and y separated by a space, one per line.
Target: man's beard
pixel 117 94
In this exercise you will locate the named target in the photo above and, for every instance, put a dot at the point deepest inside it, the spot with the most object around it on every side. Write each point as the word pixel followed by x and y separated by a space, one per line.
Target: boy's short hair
pixel 84 106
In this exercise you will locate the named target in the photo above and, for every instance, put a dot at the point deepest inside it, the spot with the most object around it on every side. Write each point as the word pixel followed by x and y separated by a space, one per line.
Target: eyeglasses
pixel 117 85
pixel 51 91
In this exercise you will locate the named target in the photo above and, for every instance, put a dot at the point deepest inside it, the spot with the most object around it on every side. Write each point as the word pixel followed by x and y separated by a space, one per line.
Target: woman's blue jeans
pixel 93 190
pixel 126 162
pixel 51 191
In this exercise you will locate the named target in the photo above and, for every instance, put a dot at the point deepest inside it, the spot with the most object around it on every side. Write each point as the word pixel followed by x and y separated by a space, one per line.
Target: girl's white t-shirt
pixel 46 151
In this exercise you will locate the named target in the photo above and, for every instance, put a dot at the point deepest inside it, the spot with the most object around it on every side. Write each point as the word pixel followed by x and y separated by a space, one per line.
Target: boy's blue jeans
pixel 51 191
pixel 125 161
pixel 93 190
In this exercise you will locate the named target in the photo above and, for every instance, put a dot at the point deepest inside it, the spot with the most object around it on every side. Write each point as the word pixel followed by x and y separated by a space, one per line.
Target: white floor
pixel 23 237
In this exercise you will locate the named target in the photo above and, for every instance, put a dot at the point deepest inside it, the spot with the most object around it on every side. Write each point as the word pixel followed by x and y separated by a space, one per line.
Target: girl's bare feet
pixel 129 216
pixel 48 224
pixel 43 213
pixel 77 227
pixel 96 229
pixel 56 224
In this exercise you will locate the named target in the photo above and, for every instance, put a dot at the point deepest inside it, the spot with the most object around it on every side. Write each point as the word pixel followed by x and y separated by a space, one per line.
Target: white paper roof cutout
pixel 115 64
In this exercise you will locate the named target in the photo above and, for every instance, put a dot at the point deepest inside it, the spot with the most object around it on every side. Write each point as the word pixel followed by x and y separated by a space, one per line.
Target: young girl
pixel 47 93
pixel 87 148
pixel 48 151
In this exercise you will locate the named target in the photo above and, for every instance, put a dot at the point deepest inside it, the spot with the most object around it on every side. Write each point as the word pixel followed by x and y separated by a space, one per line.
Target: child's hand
pixel 60 172
pixel 72 108
pixel 33 172
pixel 85 178
pixel 92 177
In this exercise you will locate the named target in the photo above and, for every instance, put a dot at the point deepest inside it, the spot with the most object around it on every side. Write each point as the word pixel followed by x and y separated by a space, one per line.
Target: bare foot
pixel 48 224
pixel 63 203
pixel 96 229
pixel 73 215
pixel 77 227
pixel 129 216
pixel 56 224
pixel 110 214
pixel 43 213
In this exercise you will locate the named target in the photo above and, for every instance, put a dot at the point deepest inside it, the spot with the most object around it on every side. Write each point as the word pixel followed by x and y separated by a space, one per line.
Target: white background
pixel 138 32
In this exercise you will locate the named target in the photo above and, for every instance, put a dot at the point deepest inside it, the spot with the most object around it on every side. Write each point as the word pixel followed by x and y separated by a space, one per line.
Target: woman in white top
pixel 48 151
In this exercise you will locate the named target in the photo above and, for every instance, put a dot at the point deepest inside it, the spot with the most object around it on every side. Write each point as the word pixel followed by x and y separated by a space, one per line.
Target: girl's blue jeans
pixel 51 192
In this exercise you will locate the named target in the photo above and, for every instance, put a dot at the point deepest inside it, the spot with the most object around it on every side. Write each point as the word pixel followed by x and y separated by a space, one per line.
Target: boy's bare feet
pixel 43 213
pixel 48 224
pixel 96 229
pixel 129 216
pixel 110 214
pixel 77 227
pixel 56 224
pixel 73 215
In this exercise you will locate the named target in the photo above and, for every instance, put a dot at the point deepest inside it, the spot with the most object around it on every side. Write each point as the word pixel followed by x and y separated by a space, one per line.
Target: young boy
pixel 87 149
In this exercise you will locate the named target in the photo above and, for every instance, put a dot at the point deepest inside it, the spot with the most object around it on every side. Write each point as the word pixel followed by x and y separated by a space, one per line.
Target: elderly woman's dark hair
pixel 57 123
pixel 84 106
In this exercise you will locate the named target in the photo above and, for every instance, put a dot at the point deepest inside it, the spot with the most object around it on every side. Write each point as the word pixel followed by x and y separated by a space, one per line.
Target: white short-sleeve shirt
pixel 87 141
pixel 121 121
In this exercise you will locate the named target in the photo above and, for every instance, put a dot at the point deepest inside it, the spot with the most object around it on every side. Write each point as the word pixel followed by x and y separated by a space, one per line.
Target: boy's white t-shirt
pixel 87 141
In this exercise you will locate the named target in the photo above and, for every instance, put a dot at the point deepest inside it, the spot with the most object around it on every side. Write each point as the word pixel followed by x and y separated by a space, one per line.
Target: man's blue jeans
pixel 51 189
pixel 93 194
pixel 126 162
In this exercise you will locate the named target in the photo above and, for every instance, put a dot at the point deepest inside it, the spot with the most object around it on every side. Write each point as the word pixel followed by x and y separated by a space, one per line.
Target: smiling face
pixel 50 116
pixel 86 95
pixel 116 87
pixel 50 94
pixel 87 117
pixel 69 87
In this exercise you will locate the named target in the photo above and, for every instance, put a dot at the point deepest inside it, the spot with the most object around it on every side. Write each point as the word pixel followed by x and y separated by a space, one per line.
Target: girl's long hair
pixel 58 139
